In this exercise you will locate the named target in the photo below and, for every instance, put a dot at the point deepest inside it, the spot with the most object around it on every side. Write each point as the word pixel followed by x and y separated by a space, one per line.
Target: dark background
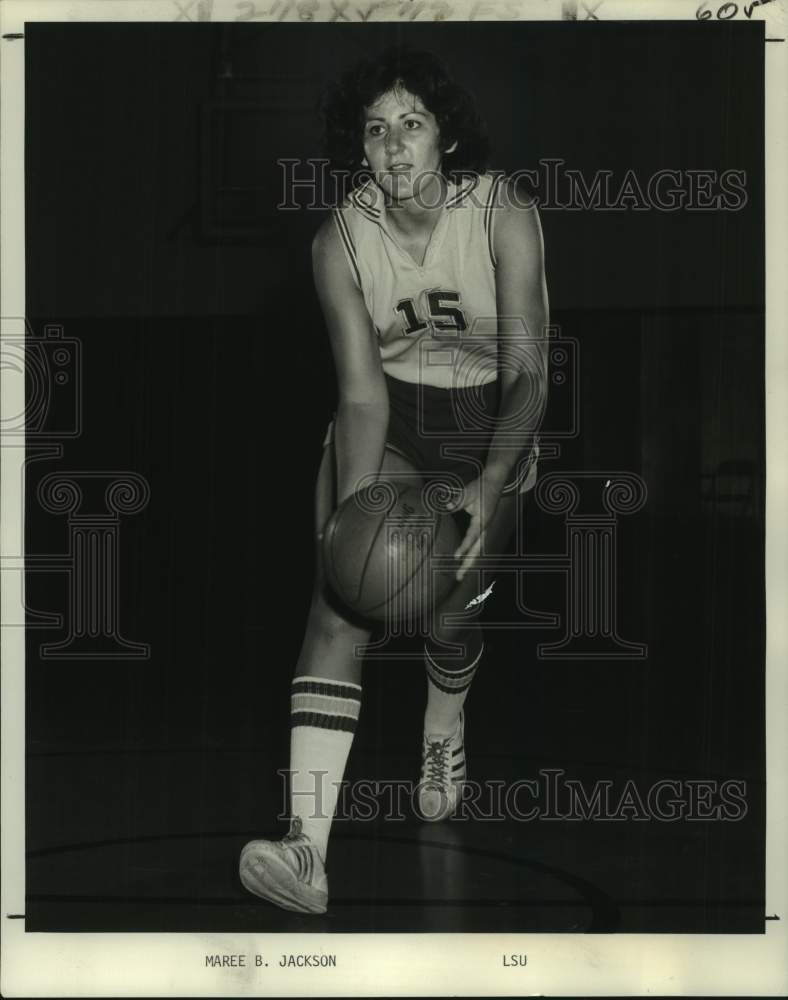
pixel 153 239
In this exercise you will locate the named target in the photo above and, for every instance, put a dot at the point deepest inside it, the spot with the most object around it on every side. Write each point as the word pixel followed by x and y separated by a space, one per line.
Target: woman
pixel 431 281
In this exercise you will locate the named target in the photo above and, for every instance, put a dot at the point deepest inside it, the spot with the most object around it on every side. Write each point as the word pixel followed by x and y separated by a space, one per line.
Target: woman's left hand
pixel 480 500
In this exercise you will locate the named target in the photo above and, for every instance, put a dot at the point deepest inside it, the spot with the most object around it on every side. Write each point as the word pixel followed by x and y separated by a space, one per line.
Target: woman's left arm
pixel 521 294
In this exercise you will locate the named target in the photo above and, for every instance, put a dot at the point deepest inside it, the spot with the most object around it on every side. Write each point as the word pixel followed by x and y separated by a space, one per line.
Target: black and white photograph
pixel 392 411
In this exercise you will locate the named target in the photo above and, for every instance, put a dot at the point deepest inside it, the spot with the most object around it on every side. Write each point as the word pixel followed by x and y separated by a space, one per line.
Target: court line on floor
pixel 605 915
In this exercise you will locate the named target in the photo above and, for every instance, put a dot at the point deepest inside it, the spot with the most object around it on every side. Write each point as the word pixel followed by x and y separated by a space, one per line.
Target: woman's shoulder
pixel 517 231
pixel 326 239
pixel 362 201
pixel 335 258
pixel 512 191
pixel 469 187
pixel 490 189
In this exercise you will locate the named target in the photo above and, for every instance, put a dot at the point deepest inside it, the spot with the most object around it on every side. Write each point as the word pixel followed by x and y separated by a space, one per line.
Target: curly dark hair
pixel 422 74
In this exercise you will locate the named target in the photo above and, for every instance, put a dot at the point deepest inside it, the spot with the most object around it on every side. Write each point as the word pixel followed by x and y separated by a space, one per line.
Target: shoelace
pixel 296 828
pixel 436 762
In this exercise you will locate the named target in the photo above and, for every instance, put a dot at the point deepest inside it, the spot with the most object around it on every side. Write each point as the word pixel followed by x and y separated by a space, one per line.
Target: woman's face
pixel 402 144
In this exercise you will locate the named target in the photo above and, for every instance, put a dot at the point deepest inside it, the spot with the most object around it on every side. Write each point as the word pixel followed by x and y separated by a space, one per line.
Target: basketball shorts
pixel 446 433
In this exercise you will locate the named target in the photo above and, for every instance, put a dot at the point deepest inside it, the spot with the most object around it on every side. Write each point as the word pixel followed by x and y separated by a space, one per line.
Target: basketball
pixel 388 552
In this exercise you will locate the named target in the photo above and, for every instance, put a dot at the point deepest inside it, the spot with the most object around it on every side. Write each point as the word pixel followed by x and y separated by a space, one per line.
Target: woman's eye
pixel 412 121
pixel 375 129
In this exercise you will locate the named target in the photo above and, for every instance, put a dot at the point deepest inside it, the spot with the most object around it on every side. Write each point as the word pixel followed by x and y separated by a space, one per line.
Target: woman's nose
pixel 393 141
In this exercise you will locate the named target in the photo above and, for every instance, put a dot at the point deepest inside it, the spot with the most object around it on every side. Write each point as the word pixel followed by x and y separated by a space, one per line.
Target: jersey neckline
pixel 369 200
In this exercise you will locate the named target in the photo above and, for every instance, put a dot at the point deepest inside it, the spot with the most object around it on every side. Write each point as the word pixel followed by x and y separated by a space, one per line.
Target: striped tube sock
pixel 323 716
pixel 446 693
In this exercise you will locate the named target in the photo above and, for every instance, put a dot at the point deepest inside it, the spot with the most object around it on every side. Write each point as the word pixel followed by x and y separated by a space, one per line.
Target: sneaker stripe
pixel 304 863
pixel 443 770
pixel 304 852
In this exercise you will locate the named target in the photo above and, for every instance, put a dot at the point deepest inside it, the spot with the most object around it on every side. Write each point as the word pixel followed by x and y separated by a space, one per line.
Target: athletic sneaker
pixel 442 773
pixel 287 872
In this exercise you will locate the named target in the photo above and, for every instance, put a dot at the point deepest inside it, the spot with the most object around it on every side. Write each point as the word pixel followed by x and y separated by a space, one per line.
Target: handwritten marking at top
pixel 726 11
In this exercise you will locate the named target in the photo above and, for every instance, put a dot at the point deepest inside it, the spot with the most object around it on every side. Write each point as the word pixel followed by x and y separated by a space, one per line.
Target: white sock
pixel 323 718
pixel 446 693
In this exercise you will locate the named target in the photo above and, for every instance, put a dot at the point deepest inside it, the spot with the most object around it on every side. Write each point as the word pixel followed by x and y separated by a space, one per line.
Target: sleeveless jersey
pixel 436 322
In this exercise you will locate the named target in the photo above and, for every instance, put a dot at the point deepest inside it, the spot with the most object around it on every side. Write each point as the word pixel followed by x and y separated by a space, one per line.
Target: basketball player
pixel 430 260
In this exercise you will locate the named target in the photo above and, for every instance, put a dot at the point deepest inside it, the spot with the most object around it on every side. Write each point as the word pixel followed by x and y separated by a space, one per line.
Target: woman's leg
pixel 325 702
pixel 332 633
pixel 452 654
pixel 454 646
pixel 326 690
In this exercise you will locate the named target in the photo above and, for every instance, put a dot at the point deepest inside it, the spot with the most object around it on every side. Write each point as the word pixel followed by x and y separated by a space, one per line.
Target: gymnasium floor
pixel 137 826
pixel 405 876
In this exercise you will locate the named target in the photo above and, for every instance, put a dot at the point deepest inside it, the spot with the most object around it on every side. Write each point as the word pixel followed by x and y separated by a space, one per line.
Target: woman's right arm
pixel 362 416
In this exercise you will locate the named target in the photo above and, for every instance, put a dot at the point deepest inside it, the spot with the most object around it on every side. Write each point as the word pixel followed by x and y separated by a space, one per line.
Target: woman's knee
pixel 329 618
pixel 456 646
